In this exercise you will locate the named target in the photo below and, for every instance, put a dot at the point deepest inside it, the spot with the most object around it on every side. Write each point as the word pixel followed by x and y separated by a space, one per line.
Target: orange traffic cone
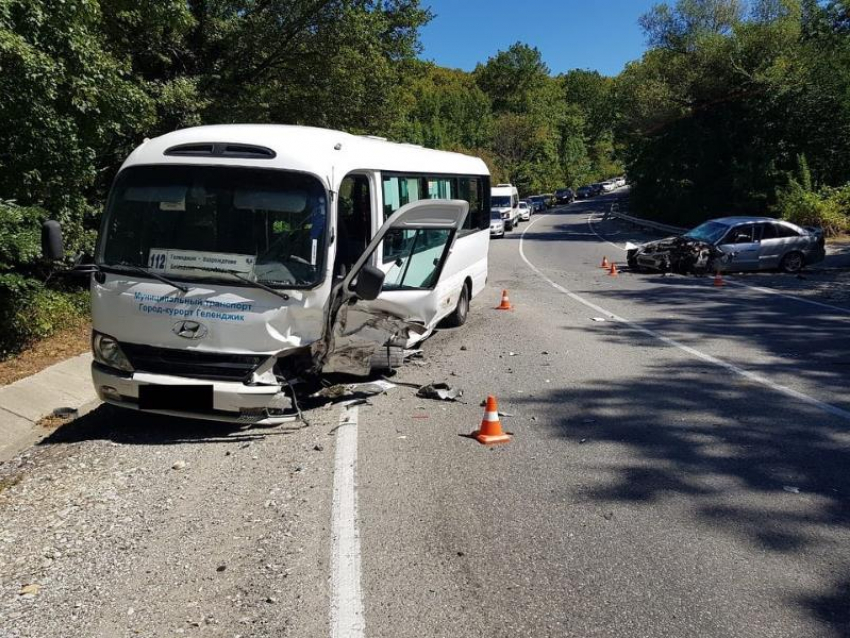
pixel 491 432
pixel 718 279
pixel 506 302
pixel 613 272
pixel 605 263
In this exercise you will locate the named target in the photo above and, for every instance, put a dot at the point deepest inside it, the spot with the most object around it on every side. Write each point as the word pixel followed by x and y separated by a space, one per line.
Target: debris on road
pixel 354 390
pixel 439 392
pixel 483 404
pixel 599 319
pixel 179 465
pixel 30 590
pixel 791 489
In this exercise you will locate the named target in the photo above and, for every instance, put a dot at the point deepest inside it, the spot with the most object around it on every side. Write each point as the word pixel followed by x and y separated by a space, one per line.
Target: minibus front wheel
pixel 461 311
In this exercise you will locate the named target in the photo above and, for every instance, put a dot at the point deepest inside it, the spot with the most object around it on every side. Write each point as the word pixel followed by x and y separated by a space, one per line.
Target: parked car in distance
pixel 597 189
pixel 564 196
pixel 540 201
pixel 585 192
pixel 609 186
pixel 733 244
pixel 536 203
pixel 524 211
pixel 497 226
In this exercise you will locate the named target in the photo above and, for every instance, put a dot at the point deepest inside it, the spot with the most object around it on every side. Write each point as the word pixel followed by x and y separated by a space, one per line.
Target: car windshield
pixel 193 222
pixel 495 215
pixel 709 232
pixel 500 201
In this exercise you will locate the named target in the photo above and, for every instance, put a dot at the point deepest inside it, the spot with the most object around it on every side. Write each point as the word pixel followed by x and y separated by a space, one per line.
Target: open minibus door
pixel 417 240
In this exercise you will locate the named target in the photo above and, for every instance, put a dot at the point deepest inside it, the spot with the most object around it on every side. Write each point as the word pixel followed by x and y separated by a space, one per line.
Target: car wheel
pixel 792 262
pixel 461 311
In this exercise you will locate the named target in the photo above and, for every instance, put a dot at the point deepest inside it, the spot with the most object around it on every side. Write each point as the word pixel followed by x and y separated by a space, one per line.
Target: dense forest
pixel 736 106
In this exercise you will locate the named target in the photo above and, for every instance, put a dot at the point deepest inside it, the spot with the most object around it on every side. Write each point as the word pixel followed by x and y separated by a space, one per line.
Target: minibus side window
pixel 402 189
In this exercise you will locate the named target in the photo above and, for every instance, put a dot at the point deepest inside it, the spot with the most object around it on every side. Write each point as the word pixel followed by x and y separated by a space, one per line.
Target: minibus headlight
pixel 107 351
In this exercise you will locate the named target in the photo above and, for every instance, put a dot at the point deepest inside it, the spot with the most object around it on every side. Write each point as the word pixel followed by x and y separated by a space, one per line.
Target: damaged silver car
pixel 733 244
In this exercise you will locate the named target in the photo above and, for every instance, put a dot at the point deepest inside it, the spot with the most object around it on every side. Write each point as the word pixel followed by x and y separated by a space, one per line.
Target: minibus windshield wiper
pixel 149 273
pixel 241 277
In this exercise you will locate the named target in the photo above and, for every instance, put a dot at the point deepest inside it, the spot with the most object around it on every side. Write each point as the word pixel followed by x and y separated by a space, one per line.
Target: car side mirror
pixel 370 282
pixel 52 247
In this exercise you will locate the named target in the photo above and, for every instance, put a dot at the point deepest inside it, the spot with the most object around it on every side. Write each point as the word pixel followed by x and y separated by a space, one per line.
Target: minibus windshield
pixel 199 222
pixel 500 201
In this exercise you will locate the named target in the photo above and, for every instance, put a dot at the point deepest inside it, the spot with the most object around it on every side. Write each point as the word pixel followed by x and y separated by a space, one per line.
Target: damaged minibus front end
pixel 239 354
pixel 374 314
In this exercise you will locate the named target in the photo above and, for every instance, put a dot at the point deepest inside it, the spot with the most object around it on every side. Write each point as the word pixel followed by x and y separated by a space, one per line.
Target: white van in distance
pixel 504 199
pixel 233 260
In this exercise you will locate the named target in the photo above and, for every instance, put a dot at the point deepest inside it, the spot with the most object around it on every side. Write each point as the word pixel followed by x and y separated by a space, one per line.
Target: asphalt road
pixel 678 469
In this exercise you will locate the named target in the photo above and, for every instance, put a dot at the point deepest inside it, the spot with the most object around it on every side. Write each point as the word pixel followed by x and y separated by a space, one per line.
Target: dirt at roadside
pixel 68 343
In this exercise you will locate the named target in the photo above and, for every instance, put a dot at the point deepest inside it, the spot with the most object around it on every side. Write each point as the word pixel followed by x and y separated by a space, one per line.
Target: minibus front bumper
pixel 232 402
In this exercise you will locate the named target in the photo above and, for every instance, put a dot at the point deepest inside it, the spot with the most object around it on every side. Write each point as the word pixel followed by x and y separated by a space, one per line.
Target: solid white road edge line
pixel 347 618
pixel 761 289
pixel 590 220
pixel 752 376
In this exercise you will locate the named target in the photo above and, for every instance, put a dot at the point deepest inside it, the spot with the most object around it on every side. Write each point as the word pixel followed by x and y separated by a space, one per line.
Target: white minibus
pixel 234 260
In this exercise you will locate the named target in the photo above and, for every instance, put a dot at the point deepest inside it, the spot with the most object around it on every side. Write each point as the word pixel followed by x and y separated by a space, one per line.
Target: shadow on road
pixel 771 336
pixel 135 428
pixel 752 465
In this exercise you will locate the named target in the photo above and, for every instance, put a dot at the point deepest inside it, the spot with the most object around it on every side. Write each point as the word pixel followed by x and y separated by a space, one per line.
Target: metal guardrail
pixel 645 223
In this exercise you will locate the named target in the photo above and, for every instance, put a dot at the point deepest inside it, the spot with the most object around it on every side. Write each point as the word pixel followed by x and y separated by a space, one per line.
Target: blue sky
pixel 587 34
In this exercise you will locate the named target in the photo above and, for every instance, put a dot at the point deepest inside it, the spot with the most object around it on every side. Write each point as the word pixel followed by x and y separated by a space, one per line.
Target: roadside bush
pixel 827 208
pixel 32 305
pixel 34 312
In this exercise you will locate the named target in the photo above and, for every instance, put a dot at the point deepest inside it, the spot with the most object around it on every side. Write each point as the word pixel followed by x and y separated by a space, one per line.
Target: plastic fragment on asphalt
pixel 791 489
pixel 358 390
pixel 599 319
pixel 352 402
pixel 439 392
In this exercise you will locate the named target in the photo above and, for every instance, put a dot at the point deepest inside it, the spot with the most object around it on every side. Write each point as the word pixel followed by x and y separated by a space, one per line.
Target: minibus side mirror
pixel 370 282
pixel 52 247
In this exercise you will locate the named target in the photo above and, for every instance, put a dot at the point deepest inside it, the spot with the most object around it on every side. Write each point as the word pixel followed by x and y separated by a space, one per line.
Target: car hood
pixel 670 243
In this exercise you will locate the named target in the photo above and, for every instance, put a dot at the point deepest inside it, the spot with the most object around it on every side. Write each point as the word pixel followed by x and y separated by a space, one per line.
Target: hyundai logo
pixel 189 330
